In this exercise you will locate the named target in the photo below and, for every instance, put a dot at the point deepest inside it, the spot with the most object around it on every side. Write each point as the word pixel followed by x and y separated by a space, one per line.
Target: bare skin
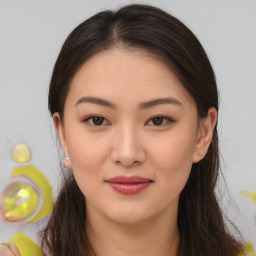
pixel 10 250
pixel 134 119
pixel 146 125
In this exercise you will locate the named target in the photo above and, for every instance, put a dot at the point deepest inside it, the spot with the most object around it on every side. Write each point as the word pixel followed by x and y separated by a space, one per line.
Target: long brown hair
pixel 200 220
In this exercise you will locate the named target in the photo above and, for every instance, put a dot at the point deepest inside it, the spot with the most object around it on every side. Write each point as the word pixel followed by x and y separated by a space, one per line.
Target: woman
pixel 134 102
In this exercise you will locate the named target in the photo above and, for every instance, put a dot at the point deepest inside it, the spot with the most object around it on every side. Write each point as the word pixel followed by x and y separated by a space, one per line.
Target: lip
pixel 129 185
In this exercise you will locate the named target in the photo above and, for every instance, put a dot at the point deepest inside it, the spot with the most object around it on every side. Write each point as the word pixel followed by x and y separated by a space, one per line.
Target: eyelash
pixel 90 118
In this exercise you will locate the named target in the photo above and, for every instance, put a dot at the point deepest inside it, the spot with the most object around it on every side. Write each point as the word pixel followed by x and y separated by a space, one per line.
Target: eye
pixel 95 120
pixel 159 121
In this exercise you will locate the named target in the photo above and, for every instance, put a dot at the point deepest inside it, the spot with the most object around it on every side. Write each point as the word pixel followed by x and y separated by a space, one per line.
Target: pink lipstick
pixel 129 185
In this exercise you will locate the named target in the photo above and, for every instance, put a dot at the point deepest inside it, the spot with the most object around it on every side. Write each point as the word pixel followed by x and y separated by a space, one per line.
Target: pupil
pixel 157 120
pixel 97 120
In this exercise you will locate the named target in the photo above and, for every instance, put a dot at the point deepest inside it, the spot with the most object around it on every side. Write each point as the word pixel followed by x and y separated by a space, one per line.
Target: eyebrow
pixel 143 105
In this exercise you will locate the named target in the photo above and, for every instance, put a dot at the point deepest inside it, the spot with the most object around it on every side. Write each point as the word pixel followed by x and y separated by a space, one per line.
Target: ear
pixel 60 131
pixel 205 133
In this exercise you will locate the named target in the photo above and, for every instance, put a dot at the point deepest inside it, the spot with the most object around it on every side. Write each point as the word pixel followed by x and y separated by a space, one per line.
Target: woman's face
pixel 132 133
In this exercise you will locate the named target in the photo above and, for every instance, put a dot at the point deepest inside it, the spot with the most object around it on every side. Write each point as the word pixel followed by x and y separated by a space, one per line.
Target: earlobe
pixel 60 131
pixel 205 134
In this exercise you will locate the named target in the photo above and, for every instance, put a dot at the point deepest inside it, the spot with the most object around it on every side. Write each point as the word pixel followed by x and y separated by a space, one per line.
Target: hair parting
pixel 203 231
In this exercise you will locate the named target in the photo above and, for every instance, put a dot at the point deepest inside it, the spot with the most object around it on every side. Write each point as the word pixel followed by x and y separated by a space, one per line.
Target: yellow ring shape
pixel 21 201
pixel 26 246
pixel 44 186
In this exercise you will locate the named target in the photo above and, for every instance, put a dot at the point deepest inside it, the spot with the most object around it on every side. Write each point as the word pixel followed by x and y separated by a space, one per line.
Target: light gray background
pixel 31 34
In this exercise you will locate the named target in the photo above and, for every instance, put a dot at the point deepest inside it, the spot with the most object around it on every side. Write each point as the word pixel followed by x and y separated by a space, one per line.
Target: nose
pixel 127 149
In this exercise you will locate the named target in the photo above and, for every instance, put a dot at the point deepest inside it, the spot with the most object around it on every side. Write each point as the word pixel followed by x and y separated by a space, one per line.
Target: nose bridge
pixel 127 146
pixel 126 139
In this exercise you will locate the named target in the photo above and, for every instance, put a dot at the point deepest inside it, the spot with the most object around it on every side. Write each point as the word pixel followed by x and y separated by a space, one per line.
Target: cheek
pixel 172 158
pixel 86 154
pixel 173 150
pixel 86 160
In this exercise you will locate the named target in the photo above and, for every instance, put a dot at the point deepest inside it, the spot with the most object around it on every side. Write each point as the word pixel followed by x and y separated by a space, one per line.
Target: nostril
pixel 127 154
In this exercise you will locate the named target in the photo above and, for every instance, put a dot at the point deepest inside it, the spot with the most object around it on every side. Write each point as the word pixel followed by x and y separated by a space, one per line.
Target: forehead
pixel 127 74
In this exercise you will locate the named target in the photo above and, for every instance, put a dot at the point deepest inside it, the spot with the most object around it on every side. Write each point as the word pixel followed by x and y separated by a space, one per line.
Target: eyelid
pixel 89 117
pixel 166 118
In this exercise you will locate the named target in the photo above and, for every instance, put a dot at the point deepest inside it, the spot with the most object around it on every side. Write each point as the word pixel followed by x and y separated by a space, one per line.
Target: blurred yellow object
pixel 251 195
pixel 43 185
pixel 21 153
pixel 249 249
pixel 248 246
pixel 26 246
pixel 6 244
pixel 20 201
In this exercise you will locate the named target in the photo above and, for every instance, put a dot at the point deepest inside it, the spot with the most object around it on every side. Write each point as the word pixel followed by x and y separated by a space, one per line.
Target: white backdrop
pixel 31 34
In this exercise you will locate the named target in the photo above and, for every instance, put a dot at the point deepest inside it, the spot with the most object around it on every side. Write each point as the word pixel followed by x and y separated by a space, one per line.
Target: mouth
pixel 129 185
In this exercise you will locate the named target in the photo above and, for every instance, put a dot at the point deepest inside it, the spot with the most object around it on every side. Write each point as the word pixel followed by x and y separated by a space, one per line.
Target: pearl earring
pixel 66 159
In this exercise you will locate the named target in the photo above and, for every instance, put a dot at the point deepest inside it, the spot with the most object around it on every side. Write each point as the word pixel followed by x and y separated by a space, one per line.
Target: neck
pixel 157 236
